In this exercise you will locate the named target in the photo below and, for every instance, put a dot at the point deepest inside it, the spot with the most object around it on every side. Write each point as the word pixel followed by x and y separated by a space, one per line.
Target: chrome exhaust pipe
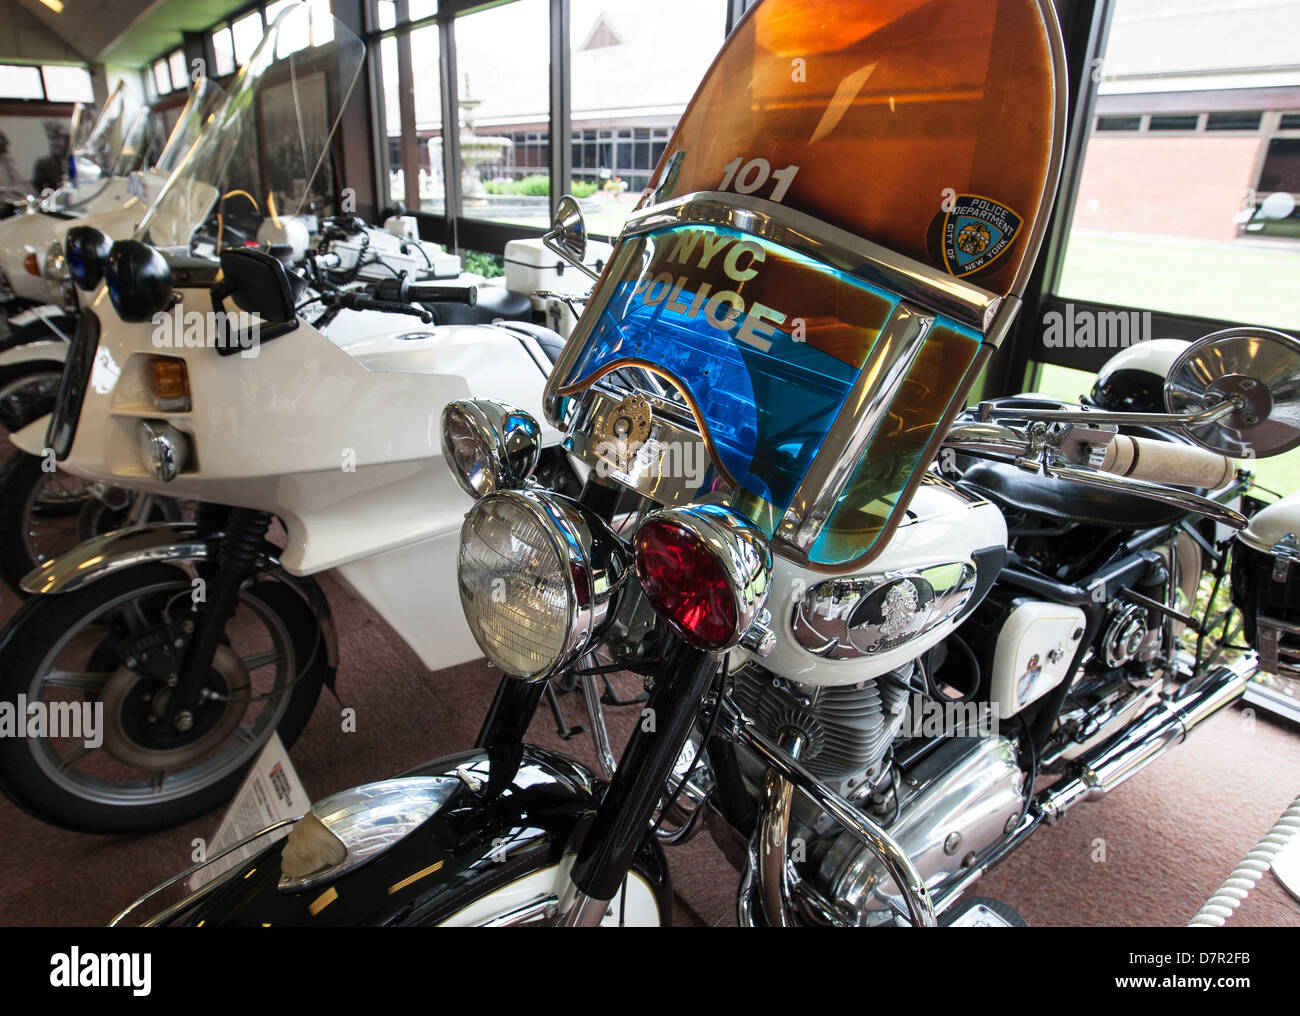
pixel 1152 734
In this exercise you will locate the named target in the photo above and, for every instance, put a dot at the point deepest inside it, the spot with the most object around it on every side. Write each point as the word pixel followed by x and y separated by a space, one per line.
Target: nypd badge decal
pixel 972 232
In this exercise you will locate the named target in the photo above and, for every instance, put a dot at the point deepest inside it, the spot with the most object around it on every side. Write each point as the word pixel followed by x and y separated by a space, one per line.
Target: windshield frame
pixel 925 292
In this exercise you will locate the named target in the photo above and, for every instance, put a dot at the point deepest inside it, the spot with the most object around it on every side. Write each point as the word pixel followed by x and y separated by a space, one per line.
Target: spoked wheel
pixel 99 661
pixel 43 514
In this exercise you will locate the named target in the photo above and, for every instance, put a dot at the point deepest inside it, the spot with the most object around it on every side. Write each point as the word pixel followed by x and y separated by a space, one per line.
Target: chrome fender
pixel 499 820
pixel 165 542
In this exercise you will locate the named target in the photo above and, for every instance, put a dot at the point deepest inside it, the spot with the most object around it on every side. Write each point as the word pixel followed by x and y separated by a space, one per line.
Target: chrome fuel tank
pixel 848 628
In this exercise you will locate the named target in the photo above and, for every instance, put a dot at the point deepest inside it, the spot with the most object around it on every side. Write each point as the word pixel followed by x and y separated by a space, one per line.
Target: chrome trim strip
pixel 912 280
pixel 123 548
pixel 854 428
pixel 204 889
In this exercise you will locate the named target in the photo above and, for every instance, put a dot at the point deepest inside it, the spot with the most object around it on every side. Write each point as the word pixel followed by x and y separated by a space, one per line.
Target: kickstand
pixel 562 727
pixel 610 696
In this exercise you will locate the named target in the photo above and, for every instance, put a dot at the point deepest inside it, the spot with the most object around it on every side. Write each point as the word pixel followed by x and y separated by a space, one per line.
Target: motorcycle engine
pixel 846 729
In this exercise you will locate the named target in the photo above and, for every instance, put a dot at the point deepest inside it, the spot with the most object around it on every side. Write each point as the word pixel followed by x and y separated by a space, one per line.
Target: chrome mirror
pixel 568 234
pixel 1254 374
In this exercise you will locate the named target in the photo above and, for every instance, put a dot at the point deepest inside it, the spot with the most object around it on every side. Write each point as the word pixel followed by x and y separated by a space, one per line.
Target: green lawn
pixel 1242 281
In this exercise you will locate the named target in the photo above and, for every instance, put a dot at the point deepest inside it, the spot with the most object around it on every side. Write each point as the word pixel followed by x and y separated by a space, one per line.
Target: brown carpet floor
pixel 1148 855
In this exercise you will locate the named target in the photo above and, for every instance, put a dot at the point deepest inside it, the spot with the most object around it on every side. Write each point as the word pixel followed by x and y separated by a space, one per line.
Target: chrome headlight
pixel 58 278
pixel 165 449
pixel 488 445
pixel 538 577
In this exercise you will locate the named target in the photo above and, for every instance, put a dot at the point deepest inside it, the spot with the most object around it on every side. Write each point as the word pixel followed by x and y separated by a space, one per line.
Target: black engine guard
pixel 532 811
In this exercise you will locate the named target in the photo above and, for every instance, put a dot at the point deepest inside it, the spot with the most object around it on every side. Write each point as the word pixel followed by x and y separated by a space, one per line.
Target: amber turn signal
pixel 169 384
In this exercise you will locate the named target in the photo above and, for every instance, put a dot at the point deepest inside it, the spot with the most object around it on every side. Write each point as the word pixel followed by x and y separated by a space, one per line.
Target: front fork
pixel 622 818
pixel 244 533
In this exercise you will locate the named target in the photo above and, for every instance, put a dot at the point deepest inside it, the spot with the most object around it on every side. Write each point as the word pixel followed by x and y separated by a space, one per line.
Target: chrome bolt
pixel 179 643
pixel 951 844
pixel 1251 419
pixel 968 860
pixel 1247 385
pixel 130 662
pixel 1012 822
pixel 184 721
pixel 172 680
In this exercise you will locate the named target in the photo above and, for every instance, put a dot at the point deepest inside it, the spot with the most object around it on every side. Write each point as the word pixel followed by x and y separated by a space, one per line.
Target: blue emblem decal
pixel 976 231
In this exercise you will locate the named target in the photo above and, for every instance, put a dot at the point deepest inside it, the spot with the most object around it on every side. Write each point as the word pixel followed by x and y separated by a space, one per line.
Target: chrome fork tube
pixel 599 732
pixel 769 851
pixel 920 907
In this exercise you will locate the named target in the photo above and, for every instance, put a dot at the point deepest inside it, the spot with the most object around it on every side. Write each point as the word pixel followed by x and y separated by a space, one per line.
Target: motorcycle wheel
pixel 134 773
pixel 27 392
pixel 42 515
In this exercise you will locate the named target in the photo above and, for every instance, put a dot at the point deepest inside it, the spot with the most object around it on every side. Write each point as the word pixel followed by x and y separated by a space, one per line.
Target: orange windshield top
pixel 924 126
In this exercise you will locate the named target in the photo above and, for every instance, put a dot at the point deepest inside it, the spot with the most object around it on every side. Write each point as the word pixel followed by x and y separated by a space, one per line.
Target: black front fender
pixel 527 816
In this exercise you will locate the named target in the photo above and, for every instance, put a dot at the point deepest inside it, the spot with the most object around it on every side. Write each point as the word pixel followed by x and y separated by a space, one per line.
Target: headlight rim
pixel 511 439
pixel 576 536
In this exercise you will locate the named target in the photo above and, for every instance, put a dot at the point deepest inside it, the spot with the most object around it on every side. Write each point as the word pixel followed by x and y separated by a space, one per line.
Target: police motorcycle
pixel 41 509
pixel 211 373
pixel 796 309
pixel 43 307
pixel 114 167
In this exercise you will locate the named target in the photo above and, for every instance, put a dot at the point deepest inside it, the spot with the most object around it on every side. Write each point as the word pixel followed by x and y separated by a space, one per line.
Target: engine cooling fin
pixel 847 729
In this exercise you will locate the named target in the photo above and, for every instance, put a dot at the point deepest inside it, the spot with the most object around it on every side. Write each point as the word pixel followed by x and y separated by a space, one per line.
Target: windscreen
pixel 98 153
pixel 205 99
pixel 265 152
pixel 923 127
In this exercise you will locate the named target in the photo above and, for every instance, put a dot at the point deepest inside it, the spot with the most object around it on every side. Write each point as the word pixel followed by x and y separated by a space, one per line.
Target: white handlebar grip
pixel 1167 462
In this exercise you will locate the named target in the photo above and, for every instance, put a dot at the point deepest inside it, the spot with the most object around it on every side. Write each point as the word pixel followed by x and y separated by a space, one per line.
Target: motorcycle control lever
pixel 1101 457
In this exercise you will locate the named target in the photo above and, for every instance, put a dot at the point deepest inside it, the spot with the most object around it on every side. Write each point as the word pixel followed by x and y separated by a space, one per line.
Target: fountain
pixel 476 151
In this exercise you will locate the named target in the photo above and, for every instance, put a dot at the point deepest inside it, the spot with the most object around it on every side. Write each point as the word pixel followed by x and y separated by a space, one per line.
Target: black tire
pixel 20 476
pixel 18 409
pixel 37 631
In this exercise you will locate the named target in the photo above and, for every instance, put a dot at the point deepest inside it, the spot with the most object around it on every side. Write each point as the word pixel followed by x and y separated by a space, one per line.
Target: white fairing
pixel 1035 648
pixel 943 527
pixel 1273 524
pixel 340 439
pixel 114 209
pixel 44 351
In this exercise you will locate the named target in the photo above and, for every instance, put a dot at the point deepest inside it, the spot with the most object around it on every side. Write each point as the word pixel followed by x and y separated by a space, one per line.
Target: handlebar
pixel 403 290
pixel 1070 450
pixel 1167 462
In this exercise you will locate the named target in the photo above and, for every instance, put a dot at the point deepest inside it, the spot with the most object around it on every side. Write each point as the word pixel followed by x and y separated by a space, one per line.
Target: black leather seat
pixel 550 341
pixel 1011 487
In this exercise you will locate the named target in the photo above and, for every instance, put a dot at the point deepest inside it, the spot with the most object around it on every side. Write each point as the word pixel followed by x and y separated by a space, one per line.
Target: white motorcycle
pixel 201 638
pixel 42 305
